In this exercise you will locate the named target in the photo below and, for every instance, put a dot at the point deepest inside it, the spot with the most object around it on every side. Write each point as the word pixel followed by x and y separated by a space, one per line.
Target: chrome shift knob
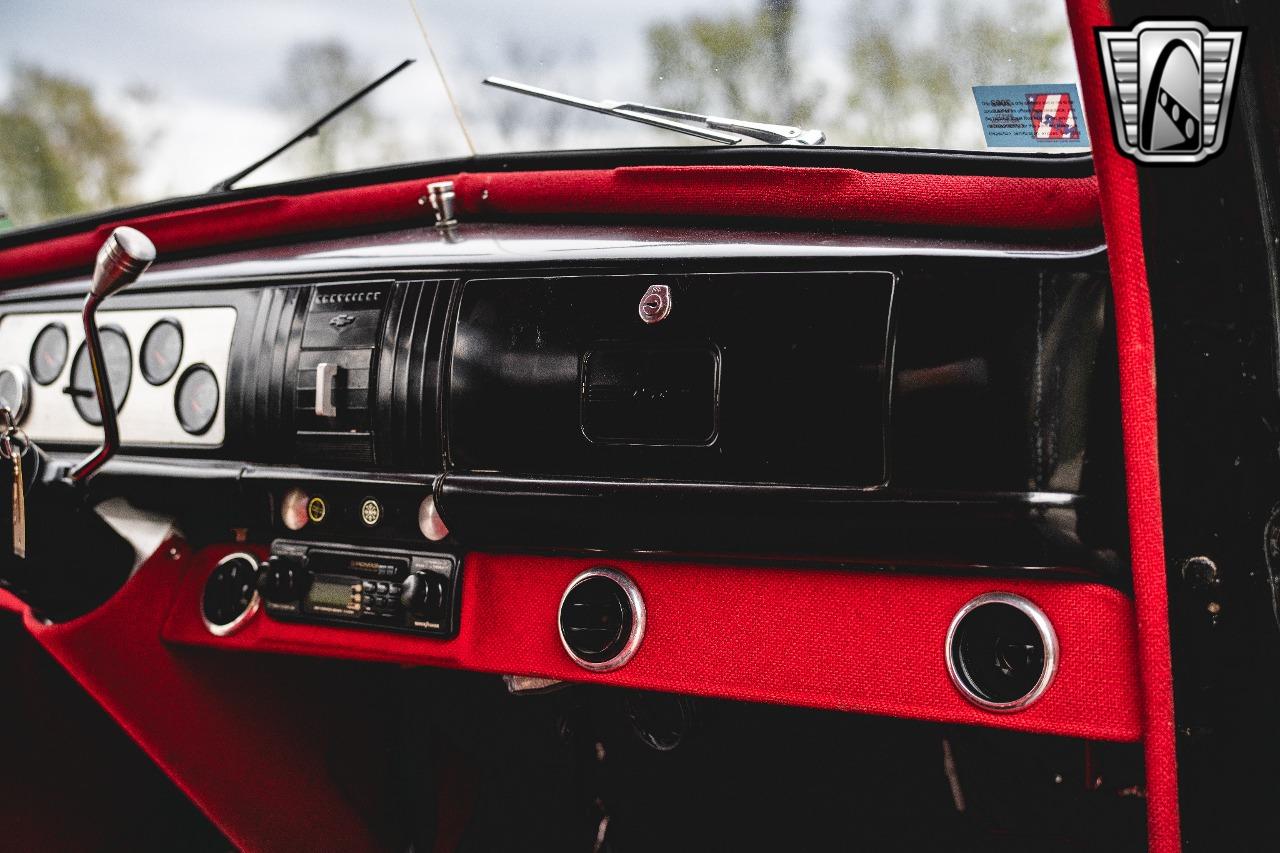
pixel 123 257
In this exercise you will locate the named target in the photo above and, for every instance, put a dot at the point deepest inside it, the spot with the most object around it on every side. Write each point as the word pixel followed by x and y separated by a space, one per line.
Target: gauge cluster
pixel 166 368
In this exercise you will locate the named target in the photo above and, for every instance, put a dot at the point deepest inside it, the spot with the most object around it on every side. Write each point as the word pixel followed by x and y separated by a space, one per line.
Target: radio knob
pixel 280 580
pixel 423 592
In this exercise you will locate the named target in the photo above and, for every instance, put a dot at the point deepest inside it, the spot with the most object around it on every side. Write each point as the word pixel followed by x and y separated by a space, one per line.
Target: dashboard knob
pixel 423 592
pixel 280 580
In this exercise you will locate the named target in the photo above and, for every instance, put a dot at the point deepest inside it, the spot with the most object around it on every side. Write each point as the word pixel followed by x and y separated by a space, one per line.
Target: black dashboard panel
pixel 846 398
pixel 751 377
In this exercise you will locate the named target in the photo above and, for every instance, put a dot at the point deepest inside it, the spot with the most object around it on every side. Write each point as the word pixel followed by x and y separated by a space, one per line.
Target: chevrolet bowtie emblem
pixel 1170 85
pixel 341 321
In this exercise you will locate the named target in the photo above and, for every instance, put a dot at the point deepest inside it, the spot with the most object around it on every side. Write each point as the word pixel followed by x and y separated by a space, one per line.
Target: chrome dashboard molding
pixel 422 251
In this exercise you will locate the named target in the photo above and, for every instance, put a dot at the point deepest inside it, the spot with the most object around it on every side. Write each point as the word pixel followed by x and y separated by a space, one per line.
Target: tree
pixel 522 121
pixel 735 64
pixel 910 66
pixel 319 75
pixel 908 92
pixel 59 152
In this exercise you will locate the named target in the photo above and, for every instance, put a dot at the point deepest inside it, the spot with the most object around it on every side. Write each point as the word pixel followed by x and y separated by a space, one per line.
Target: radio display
pixel 329 592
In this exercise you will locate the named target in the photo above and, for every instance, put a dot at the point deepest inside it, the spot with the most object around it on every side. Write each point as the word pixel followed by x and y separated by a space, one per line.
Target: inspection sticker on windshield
pixel 1039 116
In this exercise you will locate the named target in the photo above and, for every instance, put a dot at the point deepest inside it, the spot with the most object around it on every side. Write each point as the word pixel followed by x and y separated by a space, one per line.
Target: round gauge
pixel 119 364
pixel 161 351
pixel 49 354
pixel 15 390
pixel 196 400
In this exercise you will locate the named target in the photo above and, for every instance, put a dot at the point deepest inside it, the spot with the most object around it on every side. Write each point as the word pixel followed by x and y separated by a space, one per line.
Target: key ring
pixel 17 438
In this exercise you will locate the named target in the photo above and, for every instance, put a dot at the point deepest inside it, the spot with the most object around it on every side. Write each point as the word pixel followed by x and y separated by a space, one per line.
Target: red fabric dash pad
pixel 786 192
pixel 210 227
pixel 715 192
pixel 870 642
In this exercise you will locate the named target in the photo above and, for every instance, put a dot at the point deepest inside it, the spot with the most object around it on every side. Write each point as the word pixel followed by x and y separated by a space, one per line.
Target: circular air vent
pixel 1002 651
pixel 601 619
pixel 230 594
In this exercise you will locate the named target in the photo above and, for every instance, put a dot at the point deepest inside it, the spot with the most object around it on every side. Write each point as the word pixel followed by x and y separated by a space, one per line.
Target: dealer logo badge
pixel 1170 85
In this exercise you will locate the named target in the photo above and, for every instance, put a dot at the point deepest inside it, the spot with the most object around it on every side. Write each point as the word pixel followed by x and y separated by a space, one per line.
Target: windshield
pixel 111 102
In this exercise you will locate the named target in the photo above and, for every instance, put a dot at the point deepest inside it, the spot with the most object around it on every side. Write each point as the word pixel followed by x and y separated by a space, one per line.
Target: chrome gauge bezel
pixel 23 380
pixel 187 376
pixel 148 341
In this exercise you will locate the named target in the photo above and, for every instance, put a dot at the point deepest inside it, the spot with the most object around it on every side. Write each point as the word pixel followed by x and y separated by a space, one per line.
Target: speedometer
pixel 197 398
pixel 119 363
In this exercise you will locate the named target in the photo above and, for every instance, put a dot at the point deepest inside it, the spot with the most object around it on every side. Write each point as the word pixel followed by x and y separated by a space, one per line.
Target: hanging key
pixel 12 445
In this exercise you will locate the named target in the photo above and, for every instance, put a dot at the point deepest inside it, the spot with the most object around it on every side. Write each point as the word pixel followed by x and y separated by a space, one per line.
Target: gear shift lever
pixel 74 559
pixel 122 258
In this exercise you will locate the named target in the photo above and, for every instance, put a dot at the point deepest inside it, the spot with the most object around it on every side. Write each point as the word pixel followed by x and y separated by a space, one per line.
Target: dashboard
pixel 839 396
pixel 366 440
pixel 817 469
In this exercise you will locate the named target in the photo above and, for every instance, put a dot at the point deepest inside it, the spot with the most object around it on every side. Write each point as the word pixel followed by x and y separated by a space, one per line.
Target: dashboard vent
pixel 601 619
pixel 406 423
pixel 380 342
pixel 260 420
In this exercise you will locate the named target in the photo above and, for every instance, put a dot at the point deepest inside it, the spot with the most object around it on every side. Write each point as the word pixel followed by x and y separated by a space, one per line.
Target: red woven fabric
pixel 784 192
pixel 237 739
pixel 870 642
pixel 717 192
pixel 1122 221
pixel 227 224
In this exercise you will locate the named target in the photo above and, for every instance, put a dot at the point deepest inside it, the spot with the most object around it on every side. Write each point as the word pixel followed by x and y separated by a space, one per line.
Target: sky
pixel 212 67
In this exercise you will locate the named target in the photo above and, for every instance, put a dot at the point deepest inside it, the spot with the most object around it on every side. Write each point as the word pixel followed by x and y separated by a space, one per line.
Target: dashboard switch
pixel 326 379
pixel 430 524
pixel 422 594
pixel 280 580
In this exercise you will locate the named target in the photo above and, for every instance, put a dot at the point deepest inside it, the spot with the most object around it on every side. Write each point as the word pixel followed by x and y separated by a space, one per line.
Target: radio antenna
pixel 457 112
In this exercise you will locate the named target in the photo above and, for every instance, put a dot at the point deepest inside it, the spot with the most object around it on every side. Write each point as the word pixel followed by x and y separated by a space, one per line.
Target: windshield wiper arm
pixel 774 134
pixel 311 130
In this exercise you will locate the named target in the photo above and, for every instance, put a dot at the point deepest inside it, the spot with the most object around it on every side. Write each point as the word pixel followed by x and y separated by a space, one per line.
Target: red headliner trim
pixel 1122 221
pixel 870 642
pixel 717 192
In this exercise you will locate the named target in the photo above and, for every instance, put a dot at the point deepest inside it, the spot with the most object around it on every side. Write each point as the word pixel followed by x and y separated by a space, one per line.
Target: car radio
pixel 348 585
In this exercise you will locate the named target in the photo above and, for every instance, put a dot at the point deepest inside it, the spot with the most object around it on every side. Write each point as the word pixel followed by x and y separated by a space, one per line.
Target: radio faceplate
pixel 370 587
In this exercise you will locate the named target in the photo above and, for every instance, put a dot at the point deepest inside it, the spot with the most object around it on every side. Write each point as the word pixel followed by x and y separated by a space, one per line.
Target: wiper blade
pixel 311 130
pixel 774 134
